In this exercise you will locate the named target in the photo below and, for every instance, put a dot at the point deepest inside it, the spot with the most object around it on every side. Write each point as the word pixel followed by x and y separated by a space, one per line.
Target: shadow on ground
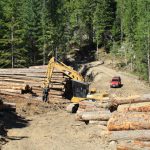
pixel 13 120
pixel 9 120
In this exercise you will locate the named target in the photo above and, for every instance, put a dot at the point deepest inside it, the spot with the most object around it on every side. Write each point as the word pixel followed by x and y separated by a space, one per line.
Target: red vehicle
pixel 115 82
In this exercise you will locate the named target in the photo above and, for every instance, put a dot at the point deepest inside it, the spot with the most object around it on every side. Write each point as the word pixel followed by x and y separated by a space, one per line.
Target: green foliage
pixel 30 30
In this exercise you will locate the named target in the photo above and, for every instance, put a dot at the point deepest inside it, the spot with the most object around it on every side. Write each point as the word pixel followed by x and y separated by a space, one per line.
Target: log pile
pixel 124 121
pixel 93 112
pixel 18 81
pixel 129 125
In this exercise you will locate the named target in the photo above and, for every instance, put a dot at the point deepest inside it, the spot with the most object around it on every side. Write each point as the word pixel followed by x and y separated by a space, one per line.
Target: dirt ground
pixel 130 83
pixel 55 129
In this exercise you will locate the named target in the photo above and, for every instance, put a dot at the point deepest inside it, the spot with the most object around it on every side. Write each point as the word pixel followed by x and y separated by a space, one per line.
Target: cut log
pixel 22 78
pixel 13 87
pixel 99 115
pixel 79 113
pixel 38 67
pixel 104 123
pixel 133 145
pixel 72 108
pixel 133 99
pixel 11 91
pixel 142 143
pixel 127 135
pixel 55 96
pixel 102 127
pixel 11 94
pixel 129 121
pixel 139 107
pixel 93 104
pixel 5 83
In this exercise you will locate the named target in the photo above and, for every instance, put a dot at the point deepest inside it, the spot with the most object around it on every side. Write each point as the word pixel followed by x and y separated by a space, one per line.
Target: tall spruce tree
pixel 104 17
pixel 142 38
pixel 11 39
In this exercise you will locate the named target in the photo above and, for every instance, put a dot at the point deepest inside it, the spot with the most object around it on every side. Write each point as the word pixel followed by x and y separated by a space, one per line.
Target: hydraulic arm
pixel 67 70
pixel 73 75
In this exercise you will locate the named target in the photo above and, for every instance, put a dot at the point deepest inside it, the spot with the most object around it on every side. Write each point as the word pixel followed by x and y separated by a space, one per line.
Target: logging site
pixel 114 118
pixel 75 75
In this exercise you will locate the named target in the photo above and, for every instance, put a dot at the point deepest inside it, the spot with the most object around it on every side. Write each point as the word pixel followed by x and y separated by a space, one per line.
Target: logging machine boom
pixel 67 70
pixel 77 87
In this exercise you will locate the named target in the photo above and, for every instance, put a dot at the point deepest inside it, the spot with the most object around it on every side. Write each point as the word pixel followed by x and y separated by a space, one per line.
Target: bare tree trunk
pixel 97 57
pixel 131 63
pixel 12 44
pixel 121 25
pixel 43 24
pixel 148 56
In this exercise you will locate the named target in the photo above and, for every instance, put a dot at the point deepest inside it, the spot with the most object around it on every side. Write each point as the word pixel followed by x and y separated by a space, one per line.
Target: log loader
pixel 75 85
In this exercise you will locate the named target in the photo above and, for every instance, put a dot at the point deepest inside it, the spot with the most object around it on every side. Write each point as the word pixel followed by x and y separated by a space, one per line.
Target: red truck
pixel 115 82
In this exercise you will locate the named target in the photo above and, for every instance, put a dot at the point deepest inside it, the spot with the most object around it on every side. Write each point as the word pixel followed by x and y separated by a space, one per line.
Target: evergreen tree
pixel 11 39
pixel 142 38
pixel 104 16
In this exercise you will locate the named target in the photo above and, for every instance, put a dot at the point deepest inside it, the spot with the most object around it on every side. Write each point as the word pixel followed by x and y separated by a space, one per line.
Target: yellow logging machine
pixel 75 86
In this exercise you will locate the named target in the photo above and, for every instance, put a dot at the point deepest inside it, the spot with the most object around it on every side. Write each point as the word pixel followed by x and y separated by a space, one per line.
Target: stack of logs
pixel 129 126
pixel 94 112
pixel 18 81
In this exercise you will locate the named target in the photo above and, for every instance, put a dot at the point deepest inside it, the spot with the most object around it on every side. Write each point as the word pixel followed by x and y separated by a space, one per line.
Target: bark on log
pixel 38 67
pixel 11 94
pixel 133 99
pixel 13 87
pixel 142 143
pixel 129 121
pixel 72 108
pixel 94 104
pixel 11 91
pixel 139 107
pixel 99 115
pixel 104 123
pixel 78 116
pixel 24 78
pixel 133 145
pixel 127 135
pixel 12 83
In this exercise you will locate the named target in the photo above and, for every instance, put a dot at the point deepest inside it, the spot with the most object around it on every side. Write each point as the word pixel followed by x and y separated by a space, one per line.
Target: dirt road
pixel 131 85
pixel 57 130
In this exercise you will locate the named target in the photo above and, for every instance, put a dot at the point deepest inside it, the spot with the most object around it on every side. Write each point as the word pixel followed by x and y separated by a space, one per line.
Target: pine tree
pixel 142 38
pixel 104 16
pixel 11 39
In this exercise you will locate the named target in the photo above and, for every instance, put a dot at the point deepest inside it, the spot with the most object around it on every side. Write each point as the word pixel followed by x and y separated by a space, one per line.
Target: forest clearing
pixel 75 74
pixel 49 126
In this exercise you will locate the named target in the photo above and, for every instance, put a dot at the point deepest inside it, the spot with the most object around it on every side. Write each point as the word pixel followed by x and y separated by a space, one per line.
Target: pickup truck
pixel 115 82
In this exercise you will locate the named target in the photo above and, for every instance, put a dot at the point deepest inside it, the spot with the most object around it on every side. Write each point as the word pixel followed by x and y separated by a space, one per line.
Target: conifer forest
pixel 30 31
